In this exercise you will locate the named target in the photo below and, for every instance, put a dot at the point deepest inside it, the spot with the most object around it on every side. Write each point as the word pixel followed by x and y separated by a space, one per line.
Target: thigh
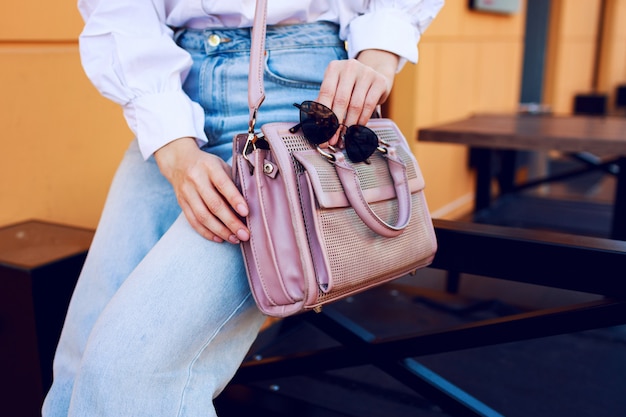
pixel 183 320
pixel 140 207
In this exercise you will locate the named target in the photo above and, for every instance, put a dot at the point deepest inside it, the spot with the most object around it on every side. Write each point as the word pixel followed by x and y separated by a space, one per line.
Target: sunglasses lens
pixel 361 142
pixel 319 123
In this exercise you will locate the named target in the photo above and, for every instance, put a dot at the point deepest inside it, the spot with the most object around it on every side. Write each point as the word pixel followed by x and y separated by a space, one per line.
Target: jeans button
pixel 214 40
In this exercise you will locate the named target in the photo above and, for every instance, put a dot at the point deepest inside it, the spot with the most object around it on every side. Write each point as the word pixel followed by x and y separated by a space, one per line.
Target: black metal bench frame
pixel 501 165
pixel 587 264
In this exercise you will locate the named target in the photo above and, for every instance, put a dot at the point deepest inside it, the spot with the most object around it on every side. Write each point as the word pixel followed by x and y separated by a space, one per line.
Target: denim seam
pixel 286 81
pixel 246 50
pixel 203 347
pixel 272 76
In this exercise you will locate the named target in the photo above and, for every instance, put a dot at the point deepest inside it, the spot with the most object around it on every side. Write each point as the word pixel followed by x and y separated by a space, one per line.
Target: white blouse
pixel 127 49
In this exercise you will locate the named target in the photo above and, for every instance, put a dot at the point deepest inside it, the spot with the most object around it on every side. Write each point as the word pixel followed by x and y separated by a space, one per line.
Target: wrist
pixel 169 155
pixel 386 63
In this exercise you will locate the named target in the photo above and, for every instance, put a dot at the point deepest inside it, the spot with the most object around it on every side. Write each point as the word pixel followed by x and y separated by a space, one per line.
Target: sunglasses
pixel 319 124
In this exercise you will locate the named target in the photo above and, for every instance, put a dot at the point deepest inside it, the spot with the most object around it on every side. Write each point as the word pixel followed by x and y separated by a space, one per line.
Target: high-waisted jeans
pixel 161 318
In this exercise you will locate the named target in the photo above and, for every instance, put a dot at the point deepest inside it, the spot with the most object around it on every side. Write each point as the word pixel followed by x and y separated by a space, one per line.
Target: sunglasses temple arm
pixel 295 128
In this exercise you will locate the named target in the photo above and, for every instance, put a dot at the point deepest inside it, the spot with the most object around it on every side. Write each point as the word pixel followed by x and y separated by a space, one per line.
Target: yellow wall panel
pixel 457 87
pixel 617 12
pixel 612 71
pixel 60 140
pixel 572 51
pixel 578 19
pixel 575 75
pixel 403 113
pixel 446 173
pixel 40 20
pixel 415 94
pixel 498 77
pixel 448 22
pixel 428 79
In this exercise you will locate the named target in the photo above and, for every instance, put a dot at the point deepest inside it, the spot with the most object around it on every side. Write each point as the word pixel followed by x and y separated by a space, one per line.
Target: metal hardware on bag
pixel 329 156
pixel 252 122
pixel 253 142
pixel 317 309
pixel 250 142
pixel 382 148
pixel 249 147
pixel 268 168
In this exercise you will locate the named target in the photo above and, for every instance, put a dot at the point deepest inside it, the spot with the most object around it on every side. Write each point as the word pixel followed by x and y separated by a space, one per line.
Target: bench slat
pixel 559 260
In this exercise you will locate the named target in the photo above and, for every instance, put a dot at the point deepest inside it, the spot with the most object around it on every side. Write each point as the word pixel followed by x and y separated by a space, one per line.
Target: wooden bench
pixel 39 265
pixel 587 264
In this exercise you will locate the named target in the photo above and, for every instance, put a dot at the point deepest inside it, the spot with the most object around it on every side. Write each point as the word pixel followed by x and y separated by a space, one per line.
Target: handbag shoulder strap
pixel 256 90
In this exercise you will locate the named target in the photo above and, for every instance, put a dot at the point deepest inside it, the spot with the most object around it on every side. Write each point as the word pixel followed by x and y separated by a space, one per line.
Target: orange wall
pixel 613 56
pixel 61 141
pixel 469 62
pixel 572 46
pixel 572 50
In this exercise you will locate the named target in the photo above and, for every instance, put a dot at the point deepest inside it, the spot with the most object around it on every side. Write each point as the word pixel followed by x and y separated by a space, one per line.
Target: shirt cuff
pixel 158 119
pixel 387 30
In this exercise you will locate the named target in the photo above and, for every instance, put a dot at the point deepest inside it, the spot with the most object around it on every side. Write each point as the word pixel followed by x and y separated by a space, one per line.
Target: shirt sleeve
pixel 130 56
pixel 391 25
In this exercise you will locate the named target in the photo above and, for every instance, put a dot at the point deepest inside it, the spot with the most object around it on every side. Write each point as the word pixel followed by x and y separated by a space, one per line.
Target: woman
pixel 162 315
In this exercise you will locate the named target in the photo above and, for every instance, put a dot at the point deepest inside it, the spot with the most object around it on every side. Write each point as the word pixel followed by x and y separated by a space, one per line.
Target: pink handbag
pixel 323 228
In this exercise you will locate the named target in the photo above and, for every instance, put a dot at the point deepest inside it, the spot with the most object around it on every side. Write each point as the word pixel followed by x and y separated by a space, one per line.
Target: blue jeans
pixel 161 318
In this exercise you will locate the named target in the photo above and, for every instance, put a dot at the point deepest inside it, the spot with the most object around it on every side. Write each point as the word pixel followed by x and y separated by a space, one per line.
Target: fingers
pixel 207 195
pixel 214 204
pixel 352 90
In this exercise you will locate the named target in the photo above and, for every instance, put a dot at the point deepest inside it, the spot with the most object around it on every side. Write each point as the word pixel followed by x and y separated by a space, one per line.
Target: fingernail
pixel 243 234
pixel 233 239
pixel 242 210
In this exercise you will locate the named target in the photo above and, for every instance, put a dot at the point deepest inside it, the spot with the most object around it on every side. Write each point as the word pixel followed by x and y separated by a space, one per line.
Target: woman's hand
pixel 353 88
pixel 205 190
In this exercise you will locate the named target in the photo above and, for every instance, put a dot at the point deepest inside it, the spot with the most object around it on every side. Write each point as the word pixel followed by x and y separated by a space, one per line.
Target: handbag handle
pixel 354 193
pixel 256 90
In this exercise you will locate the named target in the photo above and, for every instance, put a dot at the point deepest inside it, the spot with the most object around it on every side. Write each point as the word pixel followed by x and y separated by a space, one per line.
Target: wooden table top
pixel 530 132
